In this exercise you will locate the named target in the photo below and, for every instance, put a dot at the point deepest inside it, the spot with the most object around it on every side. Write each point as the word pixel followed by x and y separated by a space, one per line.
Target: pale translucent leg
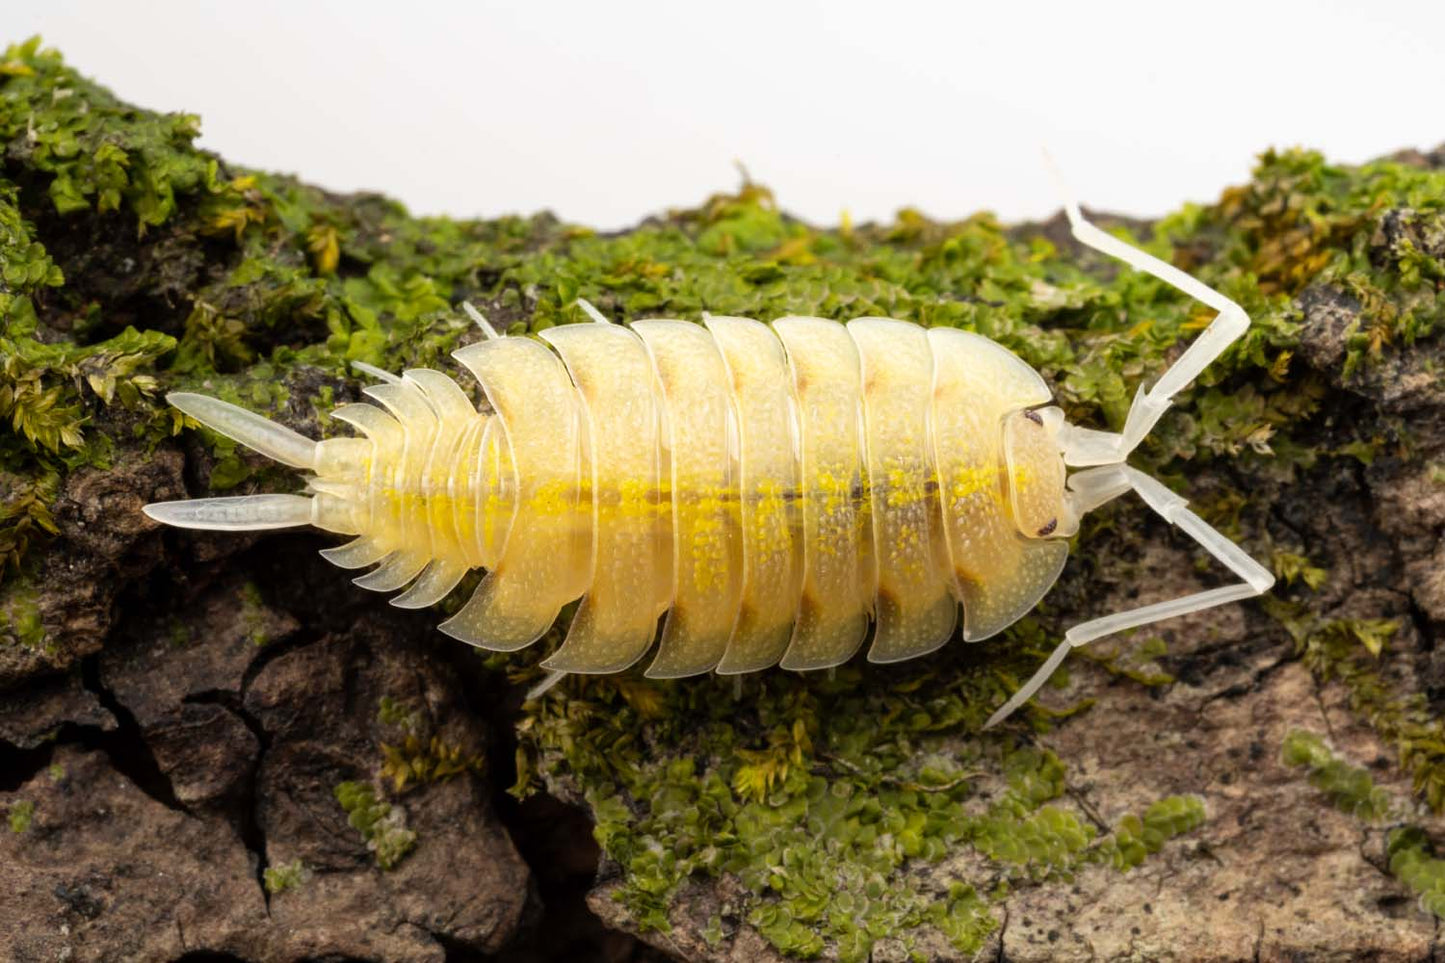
pixel 488 331
pixel 1083 446
pixel 591 311
pixel 1257 581
pixel 545 686
pixel 375 372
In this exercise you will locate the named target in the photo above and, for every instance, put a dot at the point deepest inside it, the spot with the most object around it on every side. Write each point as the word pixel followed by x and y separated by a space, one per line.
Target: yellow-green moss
pixel 287 876
pixel 816 793
pixel 1350 651
pixel 1349 788
pixel 381 825
pixel 420 755
pixel 21 814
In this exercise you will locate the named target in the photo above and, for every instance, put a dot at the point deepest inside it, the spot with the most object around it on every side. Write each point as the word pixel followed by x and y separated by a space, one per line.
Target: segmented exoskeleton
pixel 772 489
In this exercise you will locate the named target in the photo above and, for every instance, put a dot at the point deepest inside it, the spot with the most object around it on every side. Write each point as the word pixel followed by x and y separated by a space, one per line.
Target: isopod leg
pixel 545 686
pixel 1257 581
pixel 1086 447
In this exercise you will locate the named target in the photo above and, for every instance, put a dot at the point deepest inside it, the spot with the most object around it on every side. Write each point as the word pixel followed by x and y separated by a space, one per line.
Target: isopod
pixel 774 490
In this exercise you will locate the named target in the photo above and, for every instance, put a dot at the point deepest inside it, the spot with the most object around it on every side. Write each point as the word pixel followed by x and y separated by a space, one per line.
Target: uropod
pixel 783 493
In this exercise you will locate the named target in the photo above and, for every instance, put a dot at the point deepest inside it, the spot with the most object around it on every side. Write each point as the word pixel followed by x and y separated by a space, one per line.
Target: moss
pixel 21 814
pixel 253 615
pixel 1136 839
pixel 816 794
pixel 1413 862
pixel 403 715
pixel 416 761
pixel 1351 652
pixel 381 825
pixel 421 755
pixel 287 876
pixel 1409 851
pixel 20 621
pixel 1349 788
pixel 1292 567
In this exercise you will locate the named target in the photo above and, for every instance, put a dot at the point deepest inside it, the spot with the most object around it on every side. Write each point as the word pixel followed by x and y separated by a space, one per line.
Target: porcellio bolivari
pixel 775 490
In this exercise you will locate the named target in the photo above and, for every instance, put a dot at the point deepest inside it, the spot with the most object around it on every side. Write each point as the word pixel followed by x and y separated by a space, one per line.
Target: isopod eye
pixel 1048 529
pixel 1034 416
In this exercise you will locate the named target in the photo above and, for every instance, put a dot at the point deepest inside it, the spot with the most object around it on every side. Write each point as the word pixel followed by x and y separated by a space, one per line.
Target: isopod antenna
pixel 1104 453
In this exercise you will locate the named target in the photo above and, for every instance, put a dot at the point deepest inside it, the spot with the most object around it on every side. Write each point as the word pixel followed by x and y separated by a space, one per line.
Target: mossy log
pixel 215 747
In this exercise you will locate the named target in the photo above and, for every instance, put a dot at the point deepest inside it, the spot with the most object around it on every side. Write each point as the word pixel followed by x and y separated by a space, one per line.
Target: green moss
pixel 1349 788
pixel 21 814
pixel 417 760
pixel 1136 839
pixel 816 795
pixel 253 615
pixel 380 824
pixel 1292 567
pixel 1350 652
pixel 20 621
pixel 287 876
pixel 421 755
pixel 1413 862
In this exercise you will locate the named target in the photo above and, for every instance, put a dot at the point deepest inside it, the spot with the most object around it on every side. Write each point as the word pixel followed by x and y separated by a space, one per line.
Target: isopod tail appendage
pixel 236 513
pixel 256 432
pixel 381 373
pixel 488 330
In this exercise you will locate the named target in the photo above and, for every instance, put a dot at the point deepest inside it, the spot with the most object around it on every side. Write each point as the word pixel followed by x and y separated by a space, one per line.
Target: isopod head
pixel 1035 474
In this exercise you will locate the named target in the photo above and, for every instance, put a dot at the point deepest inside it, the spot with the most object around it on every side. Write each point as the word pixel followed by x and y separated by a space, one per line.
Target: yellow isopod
pixel 774 489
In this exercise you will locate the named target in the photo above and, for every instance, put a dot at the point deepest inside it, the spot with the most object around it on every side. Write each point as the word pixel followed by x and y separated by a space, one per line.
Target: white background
pixel 607 111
